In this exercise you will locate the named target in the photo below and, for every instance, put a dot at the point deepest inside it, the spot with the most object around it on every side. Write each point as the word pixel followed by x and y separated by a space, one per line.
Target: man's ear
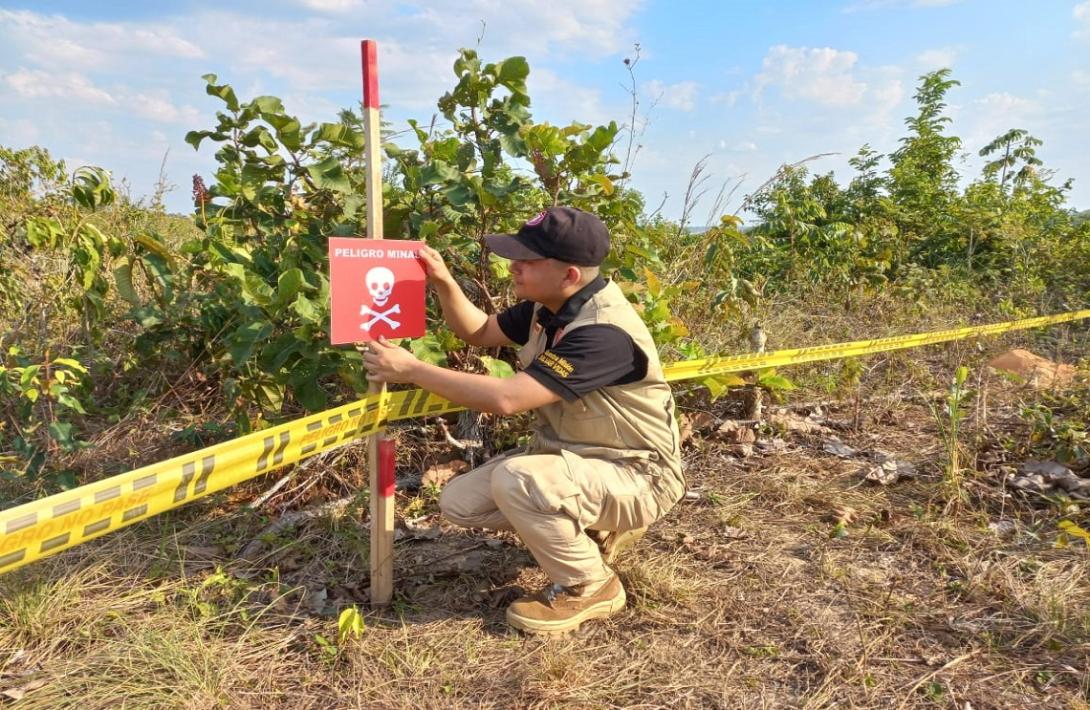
pixel 572 276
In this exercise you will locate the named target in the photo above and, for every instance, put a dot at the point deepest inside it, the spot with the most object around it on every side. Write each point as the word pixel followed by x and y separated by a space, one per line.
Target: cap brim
pixel 509 247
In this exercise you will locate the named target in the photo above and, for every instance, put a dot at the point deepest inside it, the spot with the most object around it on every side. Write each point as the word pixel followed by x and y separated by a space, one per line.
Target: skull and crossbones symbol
pixel 380 284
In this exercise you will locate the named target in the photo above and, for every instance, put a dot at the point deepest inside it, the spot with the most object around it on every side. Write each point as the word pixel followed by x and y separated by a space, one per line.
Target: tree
pixel 1017 145
pixel 922 179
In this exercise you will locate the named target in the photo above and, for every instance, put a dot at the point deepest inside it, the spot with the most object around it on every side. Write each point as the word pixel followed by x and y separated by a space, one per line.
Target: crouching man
pixel 604 461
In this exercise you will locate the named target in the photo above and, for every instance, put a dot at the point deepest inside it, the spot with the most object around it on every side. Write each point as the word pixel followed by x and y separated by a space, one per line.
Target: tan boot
pixel 556 609
pixel 612 544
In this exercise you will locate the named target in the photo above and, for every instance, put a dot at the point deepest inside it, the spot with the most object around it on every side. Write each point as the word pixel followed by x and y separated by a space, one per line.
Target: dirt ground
pixel 784 579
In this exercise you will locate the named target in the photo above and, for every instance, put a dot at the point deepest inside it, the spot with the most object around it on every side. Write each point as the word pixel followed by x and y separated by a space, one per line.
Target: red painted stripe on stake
pixel 386 458
pixel 369 55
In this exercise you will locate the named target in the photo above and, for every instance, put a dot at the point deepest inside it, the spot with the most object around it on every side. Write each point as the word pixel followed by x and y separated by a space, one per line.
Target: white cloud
pixel 1004 104
pixel 729 98
pixel 557 96
pixel 38 84
pixel 939 58
pixel 54 41
pixel 820 74
pixel 157 106
pixel 987 117
pixel 739 147
pixel 333 5
pixel 1081 13
pixel 681 96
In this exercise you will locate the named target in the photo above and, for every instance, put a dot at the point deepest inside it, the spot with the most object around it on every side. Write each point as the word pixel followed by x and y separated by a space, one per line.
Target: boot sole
pixel 602 610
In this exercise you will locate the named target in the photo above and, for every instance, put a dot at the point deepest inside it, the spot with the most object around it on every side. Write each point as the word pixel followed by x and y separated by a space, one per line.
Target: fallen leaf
pixel 742 451
pixel 736 433
pixel 845 515
pixel 441 473
pixel 685 428
pixel 702 421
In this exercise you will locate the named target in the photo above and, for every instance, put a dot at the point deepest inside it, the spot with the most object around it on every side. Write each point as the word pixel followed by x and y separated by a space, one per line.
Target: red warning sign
pixel 376 287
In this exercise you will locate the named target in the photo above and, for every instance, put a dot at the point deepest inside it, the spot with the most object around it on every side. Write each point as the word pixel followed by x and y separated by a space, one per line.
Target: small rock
pixel 1003 528
pixel 833 445
pixel 1035 482
pixel 1051 469
pixel 316 600
pixel 742 451
pixel 884 474
pixel 770 445
pixel 693 495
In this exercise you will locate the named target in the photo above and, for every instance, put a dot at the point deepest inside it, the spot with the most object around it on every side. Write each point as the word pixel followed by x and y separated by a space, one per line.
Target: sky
pixel 744 85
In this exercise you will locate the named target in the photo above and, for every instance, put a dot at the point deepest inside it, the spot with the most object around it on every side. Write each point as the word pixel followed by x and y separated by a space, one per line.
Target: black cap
pixel 562 233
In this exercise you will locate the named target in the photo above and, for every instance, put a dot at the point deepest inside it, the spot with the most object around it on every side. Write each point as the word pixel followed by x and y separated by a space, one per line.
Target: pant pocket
pixel 557 492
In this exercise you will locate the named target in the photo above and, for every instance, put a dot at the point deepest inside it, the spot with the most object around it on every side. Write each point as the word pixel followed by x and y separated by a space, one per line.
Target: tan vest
pixel 633 423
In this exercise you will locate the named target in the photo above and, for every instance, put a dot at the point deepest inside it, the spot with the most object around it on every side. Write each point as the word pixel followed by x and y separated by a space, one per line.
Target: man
pixel 604 459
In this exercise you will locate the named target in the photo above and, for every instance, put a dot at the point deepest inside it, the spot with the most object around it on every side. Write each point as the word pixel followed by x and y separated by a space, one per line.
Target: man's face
pixel 539 280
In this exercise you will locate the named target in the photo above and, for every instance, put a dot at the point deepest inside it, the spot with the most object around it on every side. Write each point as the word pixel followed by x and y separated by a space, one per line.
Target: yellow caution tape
pixel 709 367
pixel 43 527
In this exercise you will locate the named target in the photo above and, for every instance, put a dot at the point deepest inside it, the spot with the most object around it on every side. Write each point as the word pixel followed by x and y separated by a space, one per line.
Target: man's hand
pixel 434 266
pixel 387 362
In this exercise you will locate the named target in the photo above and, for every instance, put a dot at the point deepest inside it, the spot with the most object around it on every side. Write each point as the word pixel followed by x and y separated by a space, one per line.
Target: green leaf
pixel 65 479
pixel 603 182
pixel 654 286
pixel 71 402
pixel 123 281
pixel 43 232
pixel 512 73
pixel 428 349
pixel 70 363
pixel 154 244
pixel 349 624
pixel 329 175
pixel 270 396
pixel 223 91
pixel 30 373
pixel 497 368
pixel 776 383
pixel 307 309
pixel 241 343
pixel 288 286
pixel 309 394
pixel 61 432
pixel 268 104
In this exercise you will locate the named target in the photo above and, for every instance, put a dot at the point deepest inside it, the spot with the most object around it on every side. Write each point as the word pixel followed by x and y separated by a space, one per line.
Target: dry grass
pixel 749 596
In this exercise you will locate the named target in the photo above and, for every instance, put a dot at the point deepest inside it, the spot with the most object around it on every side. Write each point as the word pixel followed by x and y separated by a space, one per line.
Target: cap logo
pixel 537 219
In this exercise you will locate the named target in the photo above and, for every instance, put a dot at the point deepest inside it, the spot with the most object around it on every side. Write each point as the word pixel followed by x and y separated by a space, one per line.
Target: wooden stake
pixel 380 450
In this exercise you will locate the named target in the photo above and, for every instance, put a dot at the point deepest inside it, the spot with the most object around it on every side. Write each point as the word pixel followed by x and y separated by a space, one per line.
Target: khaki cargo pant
pixel 550 500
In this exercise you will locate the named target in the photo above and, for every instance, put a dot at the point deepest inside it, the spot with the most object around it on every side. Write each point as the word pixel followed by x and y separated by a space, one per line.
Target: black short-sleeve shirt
pixel 579 362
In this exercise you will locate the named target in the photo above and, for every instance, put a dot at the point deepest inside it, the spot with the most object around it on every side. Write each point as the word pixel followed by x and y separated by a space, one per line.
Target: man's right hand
pixel 434 266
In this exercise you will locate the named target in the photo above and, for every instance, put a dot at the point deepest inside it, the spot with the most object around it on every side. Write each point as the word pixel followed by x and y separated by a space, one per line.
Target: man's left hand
pixel 387 362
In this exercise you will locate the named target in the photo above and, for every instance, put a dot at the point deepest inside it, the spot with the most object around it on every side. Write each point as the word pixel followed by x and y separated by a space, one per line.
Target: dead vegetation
pixel 785 578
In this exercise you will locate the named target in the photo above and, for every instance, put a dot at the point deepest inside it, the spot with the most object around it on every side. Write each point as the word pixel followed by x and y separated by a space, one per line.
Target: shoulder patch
pixel 555 363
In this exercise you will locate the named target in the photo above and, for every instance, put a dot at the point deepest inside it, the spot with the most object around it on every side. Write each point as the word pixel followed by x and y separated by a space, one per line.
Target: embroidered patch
pixel 536 220
pixel 557 364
